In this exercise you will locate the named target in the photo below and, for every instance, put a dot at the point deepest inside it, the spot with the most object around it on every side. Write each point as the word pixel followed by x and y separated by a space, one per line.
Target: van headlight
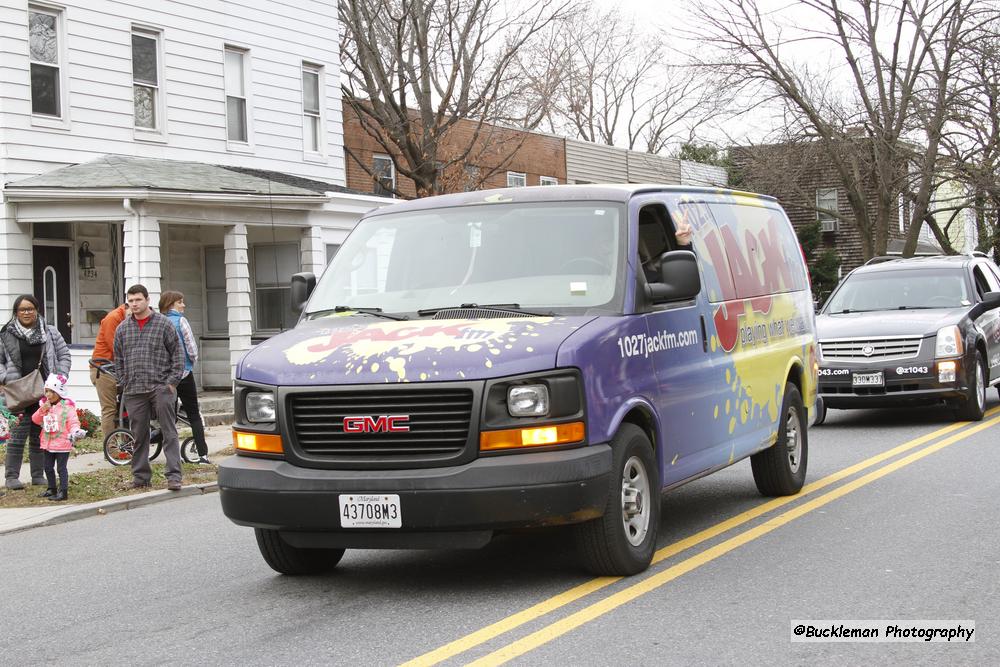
pixel 528 400
pixel 260 406
pixel 948 343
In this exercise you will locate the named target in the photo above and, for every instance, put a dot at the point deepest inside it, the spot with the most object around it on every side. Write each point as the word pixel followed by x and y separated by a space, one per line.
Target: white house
pixel 183 145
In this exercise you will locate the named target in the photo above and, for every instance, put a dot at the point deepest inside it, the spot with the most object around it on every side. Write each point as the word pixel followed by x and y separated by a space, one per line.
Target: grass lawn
pixel 88 487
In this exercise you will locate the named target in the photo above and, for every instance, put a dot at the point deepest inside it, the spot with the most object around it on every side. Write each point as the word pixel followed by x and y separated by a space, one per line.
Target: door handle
pixel 69 320
pixel 704 335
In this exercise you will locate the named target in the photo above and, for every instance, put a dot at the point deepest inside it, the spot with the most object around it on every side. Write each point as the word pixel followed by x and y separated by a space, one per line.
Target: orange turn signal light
pixel 535 436
pixel 257 442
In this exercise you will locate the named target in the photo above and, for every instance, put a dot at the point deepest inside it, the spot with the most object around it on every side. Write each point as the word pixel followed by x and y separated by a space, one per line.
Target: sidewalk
pixel 15 519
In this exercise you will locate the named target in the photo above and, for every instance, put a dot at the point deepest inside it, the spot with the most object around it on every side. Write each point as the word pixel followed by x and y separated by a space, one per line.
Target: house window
pixel 217 312
pixel 44 50
pixel 548 180
pixel 515 179
pixel 331 251
pixel 472 180
pixel 236 95
pixel 826 198
pixel 312 120
pixel 145 78
pixel 384 172
pixel 273 266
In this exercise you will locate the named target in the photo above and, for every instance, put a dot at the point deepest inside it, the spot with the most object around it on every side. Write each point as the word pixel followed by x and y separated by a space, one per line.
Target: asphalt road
pixel 890 538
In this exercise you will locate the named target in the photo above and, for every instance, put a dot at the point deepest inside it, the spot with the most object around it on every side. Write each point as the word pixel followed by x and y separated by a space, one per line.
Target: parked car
pixel 918 331
pixel 520 358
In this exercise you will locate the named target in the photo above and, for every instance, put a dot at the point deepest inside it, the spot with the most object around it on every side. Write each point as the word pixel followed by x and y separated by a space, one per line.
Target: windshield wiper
pixel 504 307
pixel 377 312
pixel 848 311
pixel 923 307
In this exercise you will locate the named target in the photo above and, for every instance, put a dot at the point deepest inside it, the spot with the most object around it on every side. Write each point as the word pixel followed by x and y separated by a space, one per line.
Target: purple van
pixel 529 357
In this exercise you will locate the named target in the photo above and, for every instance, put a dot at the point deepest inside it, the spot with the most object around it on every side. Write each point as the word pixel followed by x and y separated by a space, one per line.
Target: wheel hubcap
pixel 793 440
pixel 635 501
pixel 980 386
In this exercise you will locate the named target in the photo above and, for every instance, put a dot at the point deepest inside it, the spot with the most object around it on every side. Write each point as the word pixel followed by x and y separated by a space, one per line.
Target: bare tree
pixel 894 96
pixel 971 145
pixel 414 69
pixel 616 85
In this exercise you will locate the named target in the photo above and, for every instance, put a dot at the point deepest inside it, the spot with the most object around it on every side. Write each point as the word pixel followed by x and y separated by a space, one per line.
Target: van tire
pixel 286 559
pixel 780 470
pixel 974 406
pixel 617 543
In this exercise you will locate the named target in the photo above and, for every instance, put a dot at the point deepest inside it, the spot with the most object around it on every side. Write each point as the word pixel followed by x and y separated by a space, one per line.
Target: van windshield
pixel 562 257
pixel 900 290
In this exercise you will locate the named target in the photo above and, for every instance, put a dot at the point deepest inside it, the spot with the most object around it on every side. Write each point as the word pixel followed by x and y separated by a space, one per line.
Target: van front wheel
pixel 622 541
pixel 780 470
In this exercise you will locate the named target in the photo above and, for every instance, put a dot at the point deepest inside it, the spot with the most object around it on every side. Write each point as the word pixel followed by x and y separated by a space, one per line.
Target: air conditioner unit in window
pixel 826 226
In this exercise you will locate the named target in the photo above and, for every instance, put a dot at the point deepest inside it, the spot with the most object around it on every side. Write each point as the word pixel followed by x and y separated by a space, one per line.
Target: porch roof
pixel 119 172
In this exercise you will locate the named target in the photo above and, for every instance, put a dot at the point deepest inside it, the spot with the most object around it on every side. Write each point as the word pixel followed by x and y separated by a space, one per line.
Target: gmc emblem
pixel 380 424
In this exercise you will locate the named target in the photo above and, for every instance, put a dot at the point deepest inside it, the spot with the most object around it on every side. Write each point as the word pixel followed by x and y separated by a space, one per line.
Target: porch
pixel 229 239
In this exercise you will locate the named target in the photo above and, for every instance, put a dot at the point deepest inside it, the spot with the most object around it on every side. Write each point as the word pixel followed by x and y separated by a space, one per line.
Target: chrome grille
pixel 870 349
pixel 439 422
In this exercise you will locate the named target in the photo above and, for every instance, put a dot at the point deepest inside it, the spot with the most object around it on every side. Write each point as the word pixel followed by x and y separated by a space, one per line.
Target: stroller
pixel 119 444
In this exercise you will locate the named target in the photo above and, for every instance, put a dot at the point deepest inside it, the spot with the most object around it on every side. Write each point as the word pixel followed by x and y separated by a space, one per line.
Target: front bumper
pixel 904 383
pixel 451 506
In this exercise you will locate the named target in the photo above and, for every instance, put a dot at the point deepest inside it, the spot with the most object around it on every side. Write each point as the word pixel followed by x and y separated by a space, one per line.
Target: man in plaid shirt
pixel 150 363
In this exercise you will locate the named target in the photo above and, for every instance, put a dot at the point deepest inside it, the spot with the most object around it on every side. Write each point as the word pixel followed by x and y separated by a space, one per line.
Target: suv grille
pixel 869 349
pixel 439 422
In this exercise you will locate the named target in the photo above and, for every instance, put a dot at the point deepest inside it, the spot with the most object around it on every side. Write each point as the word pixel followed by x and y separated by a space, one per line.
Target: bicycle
pixel 119 444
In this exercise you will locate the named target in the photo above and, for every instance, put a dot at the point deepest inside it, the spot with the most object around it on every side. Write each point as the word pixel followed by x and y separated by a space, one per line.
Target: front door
pixel 51 274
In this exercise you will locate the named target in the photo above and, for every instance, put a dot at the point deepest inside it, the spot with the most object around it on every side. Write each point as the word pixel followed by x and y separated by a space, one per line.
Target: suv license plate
pixel 370 511
pixel 867 379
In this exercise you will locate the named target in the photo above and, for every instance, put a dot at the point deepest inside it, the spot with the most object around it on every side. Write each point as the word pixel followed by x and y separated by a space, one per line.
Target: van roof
pixel 617 192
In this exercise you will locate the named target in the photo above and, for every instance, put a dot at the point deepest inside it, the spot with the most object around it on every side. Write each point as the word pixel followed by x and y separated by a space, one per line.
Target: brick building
pixel 807 185
pixel 501 158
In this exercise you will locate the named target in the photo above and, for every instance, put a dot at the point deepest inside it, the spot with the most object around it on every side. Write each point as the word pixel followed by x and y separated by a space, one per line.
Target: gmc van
pixel 529 357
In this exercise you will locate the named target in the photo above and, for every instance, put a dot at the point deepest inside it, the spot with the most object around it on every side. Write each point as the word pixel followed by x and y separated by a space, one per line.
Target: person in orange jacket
pixel 104 348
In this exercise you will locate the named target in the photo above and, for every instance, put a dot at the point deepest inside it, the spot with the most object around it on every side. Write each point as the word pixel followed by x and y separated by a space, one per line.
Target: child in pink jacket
pixel 56 415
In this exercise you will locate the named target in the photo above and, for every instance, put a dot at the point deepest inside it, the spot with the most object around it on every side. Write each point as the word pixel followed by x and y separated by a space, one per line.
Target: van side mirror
pixel 681 280
pixel 303 285
pixel 991 300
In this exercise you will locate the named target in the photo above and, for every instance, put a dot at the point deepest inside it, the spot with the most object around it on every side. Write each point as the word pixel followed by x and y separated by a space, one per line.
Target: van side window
pixel 656 236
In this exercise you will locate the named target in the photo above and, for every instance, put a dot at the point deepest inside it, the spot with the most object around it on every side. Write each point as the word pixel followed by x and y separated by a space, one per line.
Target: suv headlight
pixel 260 406
pixel 528 400
pixel 948 343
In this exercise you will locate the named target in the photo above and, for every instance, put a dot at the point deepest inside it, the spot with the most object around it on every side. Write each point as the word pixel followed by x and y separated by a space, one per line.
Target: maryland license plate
pixel 867 379
pixel 370 511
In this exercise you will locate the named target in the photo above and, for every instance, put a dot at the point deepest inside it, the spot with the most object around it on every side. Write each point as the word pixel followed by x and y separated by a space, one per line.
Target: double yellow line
pixel 604 605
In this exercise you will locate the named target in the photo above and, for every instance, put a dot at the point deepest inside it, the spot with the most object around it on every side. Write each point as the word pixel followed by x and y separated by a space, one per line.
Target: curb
pixel 102 507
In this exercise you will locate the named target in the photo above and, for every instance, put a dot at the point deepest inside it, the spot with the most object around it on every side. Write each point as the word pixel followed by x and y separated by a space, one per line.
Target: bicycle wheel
pixel 189 450
pixel 119 446
pixel 155 442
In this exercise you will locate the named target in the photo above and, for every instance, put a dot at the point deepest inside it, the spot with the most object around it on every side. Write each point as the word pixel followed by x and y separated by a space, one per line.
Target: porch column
pixel 15 258
pixel 142 251
pixel 237 294
pixel 313 250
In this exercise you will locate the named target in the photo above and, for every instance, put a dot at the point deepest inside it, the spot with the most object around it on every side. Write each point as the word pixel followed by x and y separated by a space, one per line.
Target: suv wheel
pixel 974 406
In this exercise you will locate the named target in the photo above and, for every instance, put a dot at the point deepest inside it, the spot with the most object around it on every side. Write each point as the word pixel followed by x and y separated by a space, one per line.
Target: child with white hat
pixel 57 416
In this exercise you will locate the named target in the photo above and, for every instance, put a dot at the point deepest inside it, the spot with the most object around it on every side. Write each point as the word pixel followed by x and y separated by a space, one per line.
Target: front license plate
pixel 867 379
pixel 370 511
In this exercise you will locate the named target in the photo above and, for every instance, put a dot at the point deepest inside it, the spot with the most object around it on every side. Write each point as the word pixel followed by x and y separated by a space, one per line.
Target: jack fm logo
pixel 732 267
